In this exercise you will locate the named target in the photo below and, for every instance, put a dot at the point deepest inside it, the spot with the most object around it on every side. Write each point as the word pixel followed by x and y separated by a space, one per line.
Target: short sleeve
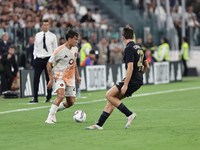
pixel 53 57
pixel 129 55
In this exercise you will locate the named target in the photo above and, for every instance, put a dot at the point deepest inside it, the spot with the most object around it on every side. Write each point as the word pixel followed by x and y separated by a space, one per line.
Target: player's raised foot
pixel 49 121
pixel 94 127
pixel 130 120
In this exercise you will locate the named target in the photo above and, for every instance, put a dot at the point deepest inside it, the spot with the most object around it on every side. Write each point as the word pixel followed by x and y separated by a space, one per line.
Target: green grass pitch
pixel 167 119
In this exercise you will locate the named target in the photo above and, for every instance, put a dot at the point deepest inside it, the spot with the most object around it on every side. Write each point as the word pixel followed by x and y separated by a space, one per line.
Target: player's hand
pixel 50 85
pixel 78 80
pixel 9 56
pixel 123 89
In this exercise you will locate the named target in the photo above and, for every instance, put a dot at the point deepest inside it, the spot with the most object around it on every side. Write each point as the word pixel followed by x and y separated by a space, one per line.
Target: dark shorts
pixel 133 86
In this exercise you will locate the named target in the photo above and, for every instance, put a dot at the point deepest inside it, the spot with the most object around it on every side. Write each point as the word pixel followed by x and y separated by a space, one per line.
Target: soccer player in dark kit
pixel 136 65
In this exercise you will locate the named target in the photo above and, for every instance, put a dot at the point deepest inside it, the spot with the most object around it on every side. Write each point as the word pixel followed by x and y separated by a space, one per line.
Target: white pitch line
pixel 25 109
pixel 100 100
pixel 162 109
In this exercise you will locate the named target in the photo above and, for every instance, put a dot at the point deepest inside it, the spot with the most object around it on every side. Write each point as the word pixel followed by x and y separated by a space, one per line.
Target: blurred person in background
pixel 89 59
pixel 189 16
pixel 2 28
pixel 4 44
pixel 37 23
pixel 85 49
pixel 163 50
pixel 87 20
pixel 139 42
pixel 148 56
pixel 97 17
pixel 16 23
pixel 110 32
pixel 99 23
pixel 72 20
pixel 116 50
pixel 61 41
pixel 103 51
pixel 149 44
pixel 49 14
pixel 60 8
pixel 10 69
pixel 60 22
pixel 196 6
pixel 94 43
pixel 33 4
pixel 54 24
pixel 29 53
pixel 176 16
pixel 184 54
pixel 79 48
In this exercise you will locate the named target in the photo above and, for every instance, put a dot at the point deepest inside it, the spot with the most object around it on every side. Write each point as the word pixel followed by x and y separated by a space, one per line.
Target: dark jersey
pixel 134 53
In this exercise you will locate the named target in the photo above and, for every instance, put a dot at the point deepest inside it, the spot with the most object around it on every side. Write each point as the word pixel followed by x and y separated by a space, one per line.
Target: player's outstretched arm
pixel 146 66
pixel 49 71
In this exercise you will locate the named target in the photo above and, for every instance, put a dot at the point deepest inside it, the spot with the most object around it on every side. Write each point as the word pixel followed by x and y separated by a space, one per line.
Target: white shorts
pixel 70 91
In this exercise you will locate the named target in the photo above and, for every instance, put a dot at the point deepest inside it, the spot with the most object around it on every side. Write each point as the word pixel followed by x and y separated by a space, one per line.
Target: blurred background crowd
pixel 20 20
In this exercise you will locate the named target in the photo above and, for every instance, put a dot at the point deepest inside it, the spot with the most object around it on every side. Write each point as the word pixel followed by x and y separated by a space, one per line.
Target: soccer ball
pixel 110 84
pixel 79 116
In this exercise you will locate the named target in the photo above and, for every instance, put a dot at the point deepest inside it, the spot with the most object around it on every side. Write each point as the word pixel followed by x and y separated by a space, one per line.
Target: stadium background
pixel 145 18
pixel 167 112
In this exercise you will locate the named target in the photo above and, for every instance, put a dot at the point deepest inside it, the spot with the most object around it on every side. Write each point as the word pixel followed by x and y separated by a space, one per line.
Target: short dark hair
pixel 92 52
pixel 85 38
pixel 185 39
pixel 11 46
pixel 96 9
pixel 45 20
pixel 62 38
pixel 165 40
pixel 128 33
pixel 71 34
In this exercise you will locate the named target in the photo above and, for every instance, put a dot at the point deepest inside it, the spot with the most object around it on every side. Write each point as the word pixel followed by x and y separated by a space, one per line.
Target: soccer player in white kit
pixel 64 71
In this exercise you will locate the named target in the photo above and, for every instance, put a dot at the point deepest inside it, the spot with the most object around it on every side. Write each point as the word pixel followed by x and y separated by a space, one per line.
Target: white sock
pixel 52 112
pixel 61 107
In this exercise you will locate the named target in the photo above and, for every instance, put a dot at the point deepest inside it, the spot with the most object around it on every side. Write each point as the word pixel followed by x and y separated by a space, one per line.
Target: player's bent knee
pixel 107 95
pixel 70 101
pixel 60 97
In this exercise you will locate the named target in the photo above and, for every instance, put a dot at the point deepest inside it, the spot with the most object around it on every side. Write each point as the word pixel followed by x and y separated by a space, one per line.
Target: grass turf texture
pixel 164 121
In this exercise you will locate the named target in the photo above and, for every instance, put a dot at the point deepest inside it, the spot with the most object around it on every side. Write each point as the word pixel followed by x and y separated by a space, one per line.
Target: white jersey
pixel 64 61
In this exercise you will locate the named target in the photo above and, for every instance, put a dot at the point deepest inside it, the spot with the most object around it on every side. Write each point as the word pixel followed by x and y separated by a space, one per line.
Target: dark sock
pixel 124 109
pixel 103 118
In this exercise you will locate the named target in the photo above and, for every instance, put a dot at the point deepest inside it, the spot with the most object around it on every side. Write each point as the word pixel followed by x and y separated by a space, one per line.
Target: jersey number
pixel 140 61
